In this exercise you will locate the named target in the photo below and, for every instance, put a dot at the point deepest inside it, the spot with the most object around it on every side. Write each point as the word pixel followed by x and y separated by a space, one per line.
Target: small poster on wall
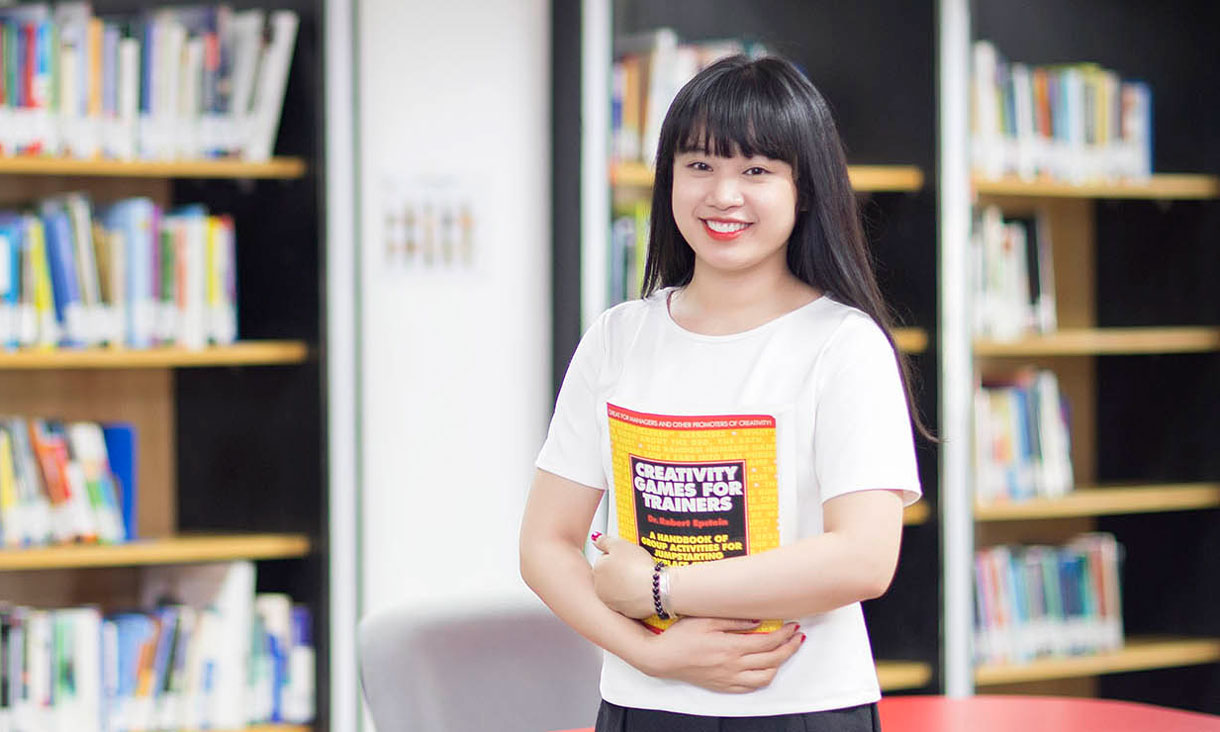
pixel 429 224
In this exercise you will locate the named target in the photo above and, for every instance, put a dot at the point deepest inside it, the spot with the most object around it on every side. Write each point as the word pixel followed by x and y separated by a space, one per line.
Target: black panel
pixel 1170 587
pixel 565 185
pixel 1170 45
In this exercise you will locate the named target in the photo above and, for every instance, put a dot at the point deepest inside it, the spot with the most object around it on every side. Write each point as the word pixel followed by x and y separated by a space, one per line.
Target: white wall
pixel 454 366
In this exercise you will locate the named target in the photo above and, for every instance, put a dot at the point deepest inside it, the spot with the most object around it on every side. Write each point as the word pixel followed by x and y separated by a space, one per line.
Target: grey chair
pixel 501 671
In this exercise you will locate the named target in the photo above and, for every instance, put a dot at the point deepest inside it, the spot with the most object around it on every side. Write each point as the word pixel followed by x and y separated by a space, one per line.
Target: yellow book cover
pixel 8 491
pixel 695 488
pixel 40 272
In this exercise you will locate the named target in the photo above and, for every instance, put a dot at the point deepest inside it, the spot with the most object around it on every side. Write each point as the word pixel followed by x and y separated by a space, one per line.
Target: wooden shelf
pixel 916 513
pixel 1106 501
pixel 1105 341
pixel 1163 187
pixel 897 675
pixel 247 353
pixel 173 550
pixel 1139 654
pixel 271 728
pixel 911 340
pixel 864 178
pixel 282 168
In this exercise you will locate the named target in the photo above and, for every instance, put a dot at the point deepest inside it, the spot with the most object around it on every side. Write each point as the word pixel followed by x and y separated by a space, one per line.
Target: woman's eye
pixel 698 165
pixel 756 171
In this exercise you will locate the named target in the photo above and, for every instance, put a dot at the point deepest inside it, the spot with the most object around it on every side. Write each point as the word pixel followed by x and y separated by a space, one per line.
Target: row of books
pixel 1036 601
pixel 1013 275
pixel 628 250
pixel 209 654
pixel 173 82
pixel 1073 122
pixel 130 275
pixel 648 71
pixel 66 482
pixel 1022 438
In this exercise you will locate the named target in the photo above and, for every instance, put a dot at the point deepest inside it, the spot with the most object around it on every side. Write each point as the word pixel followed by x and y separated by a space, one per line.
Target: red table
pixel 1035 713
pixel 1031 714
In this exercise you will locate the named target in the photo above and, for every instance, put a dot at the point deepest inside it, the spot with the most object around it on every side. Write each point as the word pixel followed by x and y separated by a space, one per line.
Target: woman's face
pixel 736 213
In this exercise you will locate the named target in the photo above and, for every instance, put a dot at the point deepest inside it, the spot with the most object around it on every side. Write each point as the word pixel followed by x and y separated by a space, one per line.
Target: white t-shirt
pixel 717 446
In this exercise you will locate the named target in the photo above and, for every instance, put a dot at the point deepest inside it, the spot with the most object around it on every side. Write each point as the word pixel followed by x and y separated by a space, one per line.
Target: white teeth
pixel 725 227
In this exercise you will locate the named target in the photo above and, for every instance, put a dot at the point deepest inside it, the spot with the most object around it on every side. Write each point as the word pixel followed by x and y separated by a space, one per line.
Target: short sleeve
pixel 573 449
pixel 862 427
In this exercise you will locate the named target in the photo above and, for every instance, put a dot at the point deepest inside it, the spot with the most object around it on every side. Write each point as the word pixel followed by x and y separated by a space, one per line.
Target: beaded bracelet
pixel 657 570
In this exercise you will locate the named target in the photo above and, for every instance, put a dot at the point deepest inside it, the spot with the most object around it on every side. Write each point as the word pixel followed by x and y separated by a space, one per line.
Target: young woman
pixel 751 420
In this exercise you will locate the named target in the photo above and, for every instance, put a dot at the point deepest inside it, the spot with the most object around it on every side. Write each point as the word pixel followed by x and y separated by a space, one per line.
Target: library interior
pixel 289 290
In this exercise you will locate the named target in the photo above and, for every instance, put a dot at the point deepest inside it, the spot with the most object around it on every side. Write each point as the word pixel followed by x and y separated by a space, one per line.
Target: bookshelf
pixel 1105 341
pixel 903 675
pixel 184 549
pixel 1160 187
pixel 1106 501
pixel 1138 654
pixel 889 169
pixel 249 353
pixel 276 168
pixel 1135 353
pixel 232 440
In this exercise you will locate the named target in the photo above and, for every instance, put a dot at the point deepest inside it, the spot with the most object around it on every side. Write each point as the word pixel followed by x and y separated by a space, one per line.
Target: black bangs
pixel 740 111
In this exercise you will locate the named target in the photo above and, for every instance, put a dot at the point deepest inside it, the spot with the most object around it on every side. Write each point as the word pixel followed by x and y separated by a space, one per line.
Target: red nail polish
pixel 802 637
pixel 798 626
pixel 597 535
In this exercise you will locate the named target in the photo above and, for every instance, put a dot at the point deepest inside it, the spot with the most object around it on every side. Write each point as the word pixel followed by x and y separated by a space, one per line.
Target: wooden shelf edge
pixel 187 549
pixel 864 178
pixel 1163 186
pixel 1139 654
pixel 276 727
pixel 1107 501
pixel 898 675
pixel 1103 341
pixel 911 340
pixel 246 353
pixel 266 728
pixel 278 168
pixel 916 513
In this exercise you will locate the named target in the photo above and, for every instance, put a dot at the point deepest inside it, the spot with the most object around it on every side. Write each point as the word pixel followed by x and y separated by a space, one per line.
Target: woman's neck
pixel 722 303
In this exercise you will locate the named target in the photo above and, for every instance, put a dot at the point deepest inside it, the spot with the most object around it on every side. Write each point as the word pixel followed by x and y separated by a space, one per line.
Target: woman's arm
pixel 853 560
pixel 701 651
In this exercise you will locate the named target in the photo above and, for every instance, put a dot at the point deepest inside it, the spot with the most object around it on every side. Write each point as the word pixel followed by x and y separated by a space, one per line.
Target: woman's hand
pixel 622 577
pixel 715 654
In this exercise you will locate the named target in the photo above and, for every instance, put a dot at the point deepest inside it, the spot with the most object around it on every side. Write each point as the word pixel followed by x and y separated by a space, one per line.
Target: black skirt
pixel 613 718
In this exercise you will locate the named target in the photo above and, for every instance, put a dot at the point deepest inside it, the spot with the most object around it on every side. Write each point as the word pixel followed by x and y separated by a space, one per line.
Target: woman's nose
pixel 725 193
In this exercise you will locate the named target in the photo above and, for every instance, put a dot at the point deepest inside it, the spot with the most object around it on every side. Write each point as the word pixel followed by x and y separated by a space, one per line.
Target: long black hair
pixel 767 107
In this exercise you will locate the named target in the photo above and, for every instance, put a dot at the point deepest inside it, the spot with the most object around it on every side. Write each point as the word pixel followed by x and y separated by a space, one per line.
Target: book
pixel 127 274
pixel 1022 437
pixel 1072 122
pixel 57 483
pixel 1013 287
pixel 161 84
pixel 1038 601
pixel 121 445
pixel 156 667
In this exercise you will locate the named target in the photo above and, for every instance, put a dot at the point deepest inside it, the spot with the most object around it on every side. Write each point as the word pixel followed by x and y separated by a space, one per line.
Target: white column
pixel 957 521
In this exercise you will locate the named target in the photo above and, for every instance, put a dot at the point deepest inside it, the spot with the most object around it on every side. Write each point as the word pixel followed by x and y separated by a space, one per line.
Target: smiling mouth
pixel 724 230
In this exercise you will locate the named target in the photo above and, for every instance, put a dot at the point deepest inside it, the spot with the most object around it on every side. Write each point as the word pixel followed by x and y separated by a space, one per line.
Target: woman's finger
pixel 764 642
pixel 774 658
pixel 754 678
